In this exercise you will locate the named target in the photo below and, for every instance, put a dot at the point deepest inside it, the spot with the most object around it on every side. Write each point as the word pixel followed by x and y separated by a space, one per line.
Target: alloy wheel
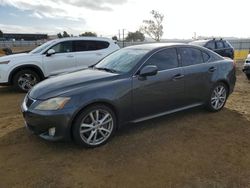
pixel 96 127
pixel 26 81
pixel 219 97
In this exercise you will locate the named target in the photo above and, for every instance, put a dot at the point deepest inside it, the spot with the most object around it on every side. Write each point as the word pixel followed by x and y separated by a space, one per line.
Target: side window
pixel 63 47
pixel 101 45
pixel 210 45
pixel 164 59
pixel 83 45
pixel 80 46
pixel 219 45
pixel 206 57
pixel 190 56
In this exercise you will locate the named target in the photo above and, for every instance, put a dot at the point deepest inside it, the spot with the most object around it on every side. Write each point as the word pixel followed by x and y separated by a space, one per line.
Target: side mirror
pixel 50 52
pixel 149 70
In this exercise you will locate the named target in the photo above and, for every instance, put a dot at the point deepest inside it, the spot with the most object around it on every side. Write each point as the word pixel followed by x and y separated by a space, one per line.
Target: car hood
pixel 63 84
pixel 15 56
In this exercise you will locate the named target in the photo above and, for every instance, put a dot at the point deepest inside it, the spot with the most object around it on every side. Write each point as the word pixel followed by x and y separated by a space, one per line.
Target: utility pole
pixel 119 35
pixel 123 38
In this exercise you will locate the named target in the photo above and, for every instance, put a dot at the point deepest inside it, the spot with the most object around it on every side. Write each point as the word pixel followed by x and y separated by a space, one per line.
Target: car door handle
pixel 212 69
pixel 70 56
pixel 177 77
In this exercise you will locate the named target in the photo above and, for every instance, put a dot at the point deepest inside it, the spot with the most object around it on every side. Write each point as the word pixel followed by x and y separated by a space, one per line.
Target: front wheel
pixel 94 126
pixel 218 97
pixel 24 80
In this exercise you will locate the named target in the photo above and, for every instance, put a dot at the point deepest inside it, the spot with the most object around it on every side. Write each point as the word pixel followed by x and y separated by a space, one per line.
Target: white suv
pixel 52 58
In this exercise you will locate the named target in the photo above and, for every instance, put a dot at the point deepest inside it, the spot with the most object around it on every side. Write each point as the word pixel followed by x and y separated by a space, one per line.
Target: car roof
pixel 84 38
pixel 155 46
pixel 152 46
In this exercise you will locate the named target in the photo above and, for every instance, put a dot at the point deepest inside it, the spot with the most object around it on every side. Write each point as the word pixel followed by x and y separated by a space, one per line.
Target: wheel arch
pixel 99 102
pixel 35 68
pixel 226 83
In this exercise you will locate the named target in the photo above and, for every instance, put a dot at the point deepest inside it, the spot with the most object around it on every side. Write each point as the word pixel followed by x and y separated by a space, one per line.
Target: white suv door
pixel 89 52
pixel 62 61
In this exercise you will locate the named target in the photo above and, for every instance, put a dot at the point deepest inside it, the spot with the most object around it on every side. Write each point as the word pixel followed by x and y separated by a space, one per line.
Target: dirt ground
pixel 194 148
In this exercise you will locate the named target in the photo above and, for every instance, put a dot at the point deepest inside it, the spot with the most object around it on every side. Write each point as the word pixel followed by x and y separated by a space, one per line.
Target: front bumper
pixel 39 123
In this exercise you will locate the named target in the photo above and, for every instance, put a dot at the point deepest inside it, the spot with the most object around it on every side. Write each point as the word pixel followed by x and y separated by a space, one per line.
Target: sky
pixel 182 18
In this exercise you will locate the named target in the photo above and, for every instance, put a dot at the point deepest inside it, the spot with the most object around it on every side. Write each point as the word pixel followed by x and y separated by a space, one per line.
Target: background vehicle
pixel 246 67
pixel 220 46
pixel 52 58
pixel 131 85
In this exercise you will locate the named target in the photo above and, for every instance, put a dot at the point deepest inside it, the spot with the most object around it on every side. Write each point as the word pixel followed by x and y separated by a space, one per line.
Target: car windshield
pixel 122 61
pixel 42 47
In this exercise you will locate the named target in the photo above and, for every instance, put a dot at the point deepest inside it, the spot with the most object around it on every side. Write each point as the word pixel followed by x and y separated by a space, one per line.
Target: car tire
pixel 94 126
pixel 218 97
pixel 248 76
pixel 24 80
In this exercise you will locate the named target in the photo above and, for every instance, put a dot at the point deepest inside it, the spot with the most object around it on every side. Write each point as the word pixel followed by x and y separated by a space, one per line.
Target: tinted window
pixel 226 44
pixel 165 59
pixel 206 57
pixel 219 44
pixel 83 45
pixel 190 56
pixel 63 47
pixel 210 45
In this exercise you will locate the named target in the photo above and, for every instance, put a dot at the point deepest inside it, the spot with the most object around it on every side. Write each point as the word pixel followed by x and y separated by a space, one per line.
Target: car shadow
pixel 173 123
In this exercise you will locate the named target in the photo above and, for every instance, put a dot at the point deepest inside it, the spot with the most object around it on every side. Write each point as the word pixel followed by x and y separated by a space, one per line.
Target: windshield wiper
pixel 106 69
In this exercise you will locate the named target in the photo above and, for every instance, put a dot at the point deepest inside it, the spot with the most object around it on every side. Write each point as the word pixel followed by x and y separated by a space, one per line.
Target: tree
pixel 1 34
pixel 65 34
pixel 153 28
pixel 59 35
pixel 88 34
pixel 115 38
pixel 135 36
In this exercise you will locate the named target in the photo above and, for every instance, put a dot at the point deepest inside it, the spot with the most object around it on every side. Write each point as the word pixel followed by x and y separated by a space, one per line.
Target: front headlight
pixel 53 104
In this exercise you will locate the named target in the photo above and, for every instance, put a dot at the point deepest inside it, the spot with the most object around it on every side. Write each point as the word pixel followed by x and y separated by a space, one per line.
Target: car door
pixel 162 92
pixel 89 52
pixel 220 49
pixel 62 61
pixel 198 74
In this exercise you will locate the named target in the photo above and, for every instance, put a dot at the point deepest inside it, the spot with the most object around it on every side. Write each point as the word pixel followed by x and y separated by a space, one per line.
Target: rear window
pixel 227 45
pixel 219 44
pixel 210 45
pixel 83 45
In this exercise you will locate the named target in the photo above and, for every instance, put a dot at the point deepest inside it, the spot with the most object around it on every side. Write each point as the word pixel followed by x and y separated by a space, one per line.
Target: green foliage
pixel 135 36
pixel 115 38
pixel 59 35
pixel 153 27
pixel 88 34
pixel 65 34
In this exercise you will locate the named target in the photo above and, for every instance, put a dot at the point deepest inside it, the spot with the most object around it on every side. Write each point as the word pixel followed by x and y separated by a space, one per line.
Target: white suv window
pixel 87 45
pixel 63 47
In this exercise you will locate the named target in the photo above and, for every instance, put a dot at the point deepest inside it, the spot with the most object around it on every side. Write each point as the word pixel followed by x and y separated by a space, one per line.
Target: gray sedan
pixel 131 85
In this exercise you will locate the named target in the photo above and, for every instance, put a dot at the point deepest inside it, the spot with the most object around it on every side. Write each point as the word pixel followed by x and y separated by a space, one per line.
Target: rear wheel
pixel 248 76
pixel 24 80
pixel 218 97
pixel 94 126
